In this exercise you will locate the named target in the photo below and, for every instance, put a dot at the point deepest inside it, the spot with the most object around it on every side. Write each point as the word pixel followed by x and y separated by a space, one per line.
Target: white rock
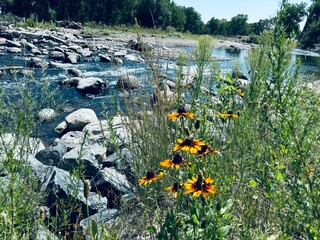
pixel 77 120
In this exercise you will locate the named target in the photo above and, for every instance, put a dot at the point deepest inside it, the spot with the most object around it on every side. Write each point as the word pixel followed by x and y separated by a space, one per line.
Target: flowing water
pixel 104 102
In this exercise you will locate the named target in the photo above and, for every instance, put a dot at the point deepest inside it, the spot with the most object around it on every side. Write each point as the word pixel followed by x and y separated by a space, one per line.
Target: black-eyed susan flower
pixel 230 114
pixel 193 146
pixel 174 189
pixel 205 149
pixel 240 92
pixel 151 176
pixel 176 161
pixel 182 112
pixel 200 186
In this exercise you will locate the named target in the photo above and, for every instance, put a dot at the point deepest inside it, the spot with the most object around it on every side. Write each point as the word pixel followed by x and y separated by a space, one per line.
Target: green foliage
pixel 309 37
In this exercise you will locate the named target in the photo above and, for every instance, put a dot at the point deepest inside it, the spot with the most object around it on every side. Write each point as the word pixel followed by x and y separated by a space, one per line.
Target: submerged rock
pixel 128 82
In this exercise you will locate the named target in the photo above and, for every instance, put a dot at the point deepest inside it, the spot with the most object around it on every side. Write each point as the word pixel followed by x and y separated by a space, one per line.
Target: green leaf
pixel 253 183
pixel 225 230
pixel 151 229
pixel 228 205
pixel 278 176
pixel 94 229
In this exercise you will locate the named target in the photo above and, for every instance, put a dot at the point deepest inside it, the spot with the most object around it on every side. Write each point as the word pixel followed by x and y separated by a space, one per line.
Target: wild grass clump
pixel 228 160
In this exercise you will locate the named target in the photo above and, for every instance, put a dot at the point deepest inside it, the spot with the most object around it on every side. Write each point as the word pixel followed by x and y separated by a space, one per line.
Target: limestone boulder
pixel 78 119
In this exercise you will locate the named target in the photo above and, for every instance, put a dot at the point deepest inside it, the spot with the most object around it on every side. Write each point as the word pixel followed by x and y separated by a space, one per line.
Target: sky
pixel 255 9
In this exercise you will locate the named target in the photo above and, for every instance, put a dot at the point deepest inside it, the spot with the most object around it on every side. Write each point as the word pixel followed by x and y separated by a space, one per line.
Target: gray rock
pixel 21 147
pixel 29 46
pixel 134 58
pixel 120 160
pixel 74 72
pixel 46 114
pixel 13 44
pixel 56 55
pixel 72 58
pixel 26 72
pixel 73 81
pixel 3 41
pixel 109 132
pixel 92 85
pixel 78 119
pixel 101 218
pixel 71 139
pixel 42 233
pixel 80 157
pixel 128 82
pixel 59 184
pixel 53 155
pixel 61 128
pixel 36 63
pixel 36 51
pixel 85 52
pixel 117 60
pixel 112 184
pixel 38 169
pixel 105 58
pixel 13 50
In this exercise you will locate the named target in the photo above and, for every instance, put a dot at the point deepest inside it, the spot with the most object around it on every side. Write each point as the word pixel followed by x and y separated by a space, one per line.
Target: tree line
pixel 164 14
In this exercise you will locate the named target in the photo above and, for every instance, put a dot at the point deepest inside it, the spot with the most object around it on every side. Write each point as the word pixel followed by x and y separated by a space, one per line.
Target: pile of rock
pixel 86 144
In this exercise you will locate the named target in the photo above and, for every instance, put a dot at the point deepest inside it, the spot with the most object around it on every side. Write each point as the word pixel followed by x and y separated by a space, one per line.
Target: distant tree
pixel 212 26
pixel 194 23
pixel 154 13
pixel 310 35
pixel 179 18
pixel 260 26
pixel 290 16
pixel 239 25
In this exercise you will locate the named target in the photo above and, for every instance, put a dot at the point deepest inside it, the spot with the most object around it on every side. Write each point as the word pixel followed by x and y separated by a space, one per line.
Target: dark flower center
pixel 187 142
pixel 177 159
pixel 204 148
pixel 175 187
pixel 182 110
pixel 150 175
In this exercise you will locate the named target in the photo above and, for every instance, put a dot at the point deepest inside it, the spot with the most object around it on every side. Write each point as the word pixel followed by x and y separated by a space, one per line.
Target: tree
pixel 310 35
pixel 212 26
pixel 194 23
pixel 239 25
pixel 179 18
pixel 258 27
pixel 290 16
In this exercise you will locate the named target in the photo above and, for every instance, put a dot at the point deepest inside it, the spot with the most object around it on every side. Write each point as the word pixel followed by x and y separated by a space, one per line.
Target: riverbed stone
pixel 52 155
pixel 46 114
pixel 128 82
pixel 13 44
pixel 73 81
pixel 36 62
pixel 60 184
pixel 61 128
pixel 78 119
pixel 56 55
pixel 21 147
pixel 71 57
pixel 92 85
pixel 101 218
pixel 26 72
pixel 71 139
pixel 80 157
pixel 112 184
pixel 74 72
pixel 13 50
pixel 105 58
